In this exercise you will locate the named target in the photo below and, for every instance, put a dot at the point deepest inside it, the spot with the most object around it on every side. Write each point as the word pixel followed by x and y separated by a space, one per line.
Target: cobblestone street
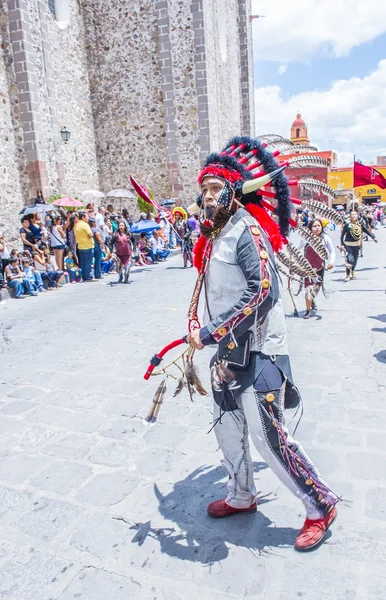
pixel 96 504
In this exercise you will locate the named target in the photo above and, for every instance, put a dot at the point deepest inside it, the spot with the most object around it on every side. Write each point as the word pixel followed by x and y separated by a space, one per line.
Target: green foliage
pixel 54 197
pixel 145 206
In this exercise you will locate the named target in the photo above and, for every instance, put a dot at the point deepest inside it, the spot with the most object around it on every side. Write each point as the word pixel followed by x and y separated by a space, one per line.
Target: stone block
pixel 115 454
pixel 364 465
pixel 107 489
pixel 70 446
pixel 20 467
pixel 46 518
pixel 96 584
pixel 84 422
pixel 12 500
pixel 35 580
pixel 102 536
pixel 49 415
pixel 27 393
pixel 376 503
pixel 62 477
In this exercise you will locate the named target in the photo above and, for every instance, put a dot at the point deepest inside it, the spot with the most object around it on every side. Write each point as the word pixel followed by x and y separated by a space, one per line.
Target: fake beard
pixel 220 218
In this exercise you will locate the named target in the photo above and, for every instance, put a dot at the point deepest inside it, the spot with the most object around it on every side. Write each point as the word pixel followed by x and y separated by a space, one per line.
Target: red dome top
pixel 298 121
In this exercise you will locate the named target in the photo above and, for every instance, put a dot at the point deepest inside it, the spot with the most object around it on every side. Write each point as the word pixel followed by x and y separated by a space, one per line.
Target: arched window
pixel 51 6
pixel 298 133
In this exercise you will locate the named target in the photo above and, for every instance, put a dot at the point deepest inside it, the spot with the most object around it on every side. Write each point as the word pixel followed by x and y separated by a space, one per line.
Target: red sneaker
pixel 313 532
pixel 220 509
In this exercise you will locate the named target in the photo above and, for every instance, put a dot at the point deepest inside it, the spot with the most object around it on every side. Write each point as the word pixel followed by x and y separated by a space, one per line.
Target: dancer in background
pixel 351 242
pixel 313 287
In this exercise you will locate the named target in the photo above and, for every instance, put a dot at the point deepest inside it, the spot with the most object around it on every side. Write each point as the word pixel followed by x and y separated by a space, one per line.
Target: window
pixel 298 133
pixel 372 191
pixel 60 10
pixel 51 6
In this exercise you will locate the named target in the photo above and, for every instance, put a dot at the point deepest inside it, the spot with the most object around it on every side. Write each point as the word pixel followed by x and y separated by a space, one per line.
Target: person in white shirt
pixel 158 247
pixel 100 219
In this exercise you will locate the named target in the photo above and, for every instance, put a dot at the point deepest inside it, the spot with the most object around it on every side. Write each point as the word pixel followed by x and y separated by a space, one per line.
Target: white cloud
pixel 349 117
pixel 282 69
pixel 308 28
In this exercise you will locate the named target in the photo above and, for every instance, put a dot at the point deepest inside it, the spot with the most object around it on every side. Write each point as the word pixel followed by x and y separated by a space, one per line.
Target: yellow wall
pixel 342 179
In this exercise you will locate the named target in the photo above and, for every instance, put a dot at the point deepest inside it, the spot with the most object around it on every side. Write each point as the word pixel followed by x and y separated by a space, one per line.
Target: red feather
pixel 219 171
pixel 198 251
pixel 271 228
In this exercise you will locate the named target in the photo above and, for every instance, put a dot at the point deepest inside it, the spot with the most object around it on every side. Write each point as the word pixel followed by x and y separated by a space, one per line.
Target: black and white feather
pixel 323 211
pixel 308 161
pixel 319 187
pixel 299 257
pixel 302 269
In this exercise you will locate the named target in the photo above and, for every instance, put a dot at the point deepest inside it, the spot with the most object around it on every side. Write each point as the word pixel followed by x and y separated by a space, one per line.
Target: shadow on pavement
pixel 198 537
pixel 381 318
pixel 381 356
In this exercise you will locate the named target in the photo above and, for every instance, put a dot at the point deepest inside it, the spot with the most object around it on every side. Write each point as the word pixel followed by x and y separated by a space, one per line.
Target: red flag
pixel 363 175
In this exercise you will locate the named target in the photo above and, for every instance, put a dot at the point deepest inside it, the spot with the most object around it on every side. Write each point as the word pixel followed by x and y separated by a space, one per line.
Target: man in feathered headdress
pixel 243 318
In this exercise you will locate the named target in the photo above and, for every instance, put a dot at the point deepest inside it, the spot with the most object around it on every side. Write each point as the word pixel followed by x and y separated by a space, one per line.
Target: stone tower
pixel 299 131
pixel 170 81
pixel 146 87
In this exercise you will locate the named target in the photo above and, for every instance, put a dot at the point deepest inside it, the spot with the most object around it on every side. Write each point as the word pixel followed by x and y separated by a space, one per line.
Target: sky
pixel 327 60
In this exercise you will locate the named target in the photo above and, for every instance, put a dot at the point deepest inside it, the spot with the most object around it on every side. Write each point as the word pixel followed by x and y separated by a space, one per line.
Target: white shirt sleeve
pixel 330 249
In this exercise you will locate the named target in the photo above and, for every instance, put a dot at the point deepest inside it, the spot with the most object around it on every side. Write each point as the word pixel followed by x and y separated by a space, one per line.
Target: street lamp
pixel 66 134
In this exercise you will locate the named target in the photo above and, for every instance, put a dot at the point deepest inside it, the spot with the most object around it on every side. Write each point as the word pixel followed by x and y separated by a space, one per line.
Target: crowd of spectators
pixel 56 246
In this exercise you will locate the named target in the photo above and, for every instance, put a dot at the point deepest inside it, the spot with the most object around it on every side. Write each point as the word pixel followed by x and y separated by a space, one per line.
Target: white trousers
pixel 252 418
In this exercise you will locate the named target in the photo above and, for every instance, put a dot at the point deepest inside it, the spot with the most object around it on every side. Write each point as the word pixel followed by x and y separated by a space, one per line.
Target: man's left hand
pixel 194 340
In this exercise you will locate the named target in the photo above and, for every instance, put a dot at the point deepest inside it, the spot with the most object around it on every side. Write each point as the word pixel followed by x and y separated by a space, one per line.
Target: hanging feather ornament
pixel 157 401
pixel 192 380
pixel 180 386
pixel 312 240
pixel 295 268
pixel 300 259
pixel 308 161
pixel 289 275
pixel 323 211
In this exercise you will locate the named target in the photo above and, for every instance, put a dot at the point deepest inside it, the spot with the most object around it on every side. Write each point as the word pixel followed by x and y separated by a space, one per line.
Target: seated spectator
pixel 43 264
pixel 108 261
pixel 72 268
pixel 17 280
pixel 33 275
pixel 158 247
pixel 145 248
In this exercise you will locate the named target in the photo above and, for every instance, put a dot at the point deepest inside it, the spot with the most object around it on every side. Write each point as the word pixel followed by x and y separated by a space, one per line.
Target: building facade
pixel 147 88
pixel 342 179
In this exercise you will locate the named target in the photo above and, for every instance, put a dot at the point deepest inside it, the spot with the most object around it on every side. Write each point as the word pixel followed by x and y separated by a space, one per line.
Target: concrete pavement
pixel 95 504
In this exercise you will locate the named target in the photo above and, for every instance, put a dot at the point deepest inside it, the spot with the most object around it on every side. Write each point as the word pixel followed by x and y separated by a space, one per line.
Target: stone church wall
pixel 223 70
pixel 126 93
pixel 13 171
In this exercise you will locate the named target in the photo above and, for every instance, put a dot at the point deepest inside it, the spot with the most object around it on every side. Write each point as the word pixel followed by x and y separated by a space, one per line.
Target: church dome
pixel 298 121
